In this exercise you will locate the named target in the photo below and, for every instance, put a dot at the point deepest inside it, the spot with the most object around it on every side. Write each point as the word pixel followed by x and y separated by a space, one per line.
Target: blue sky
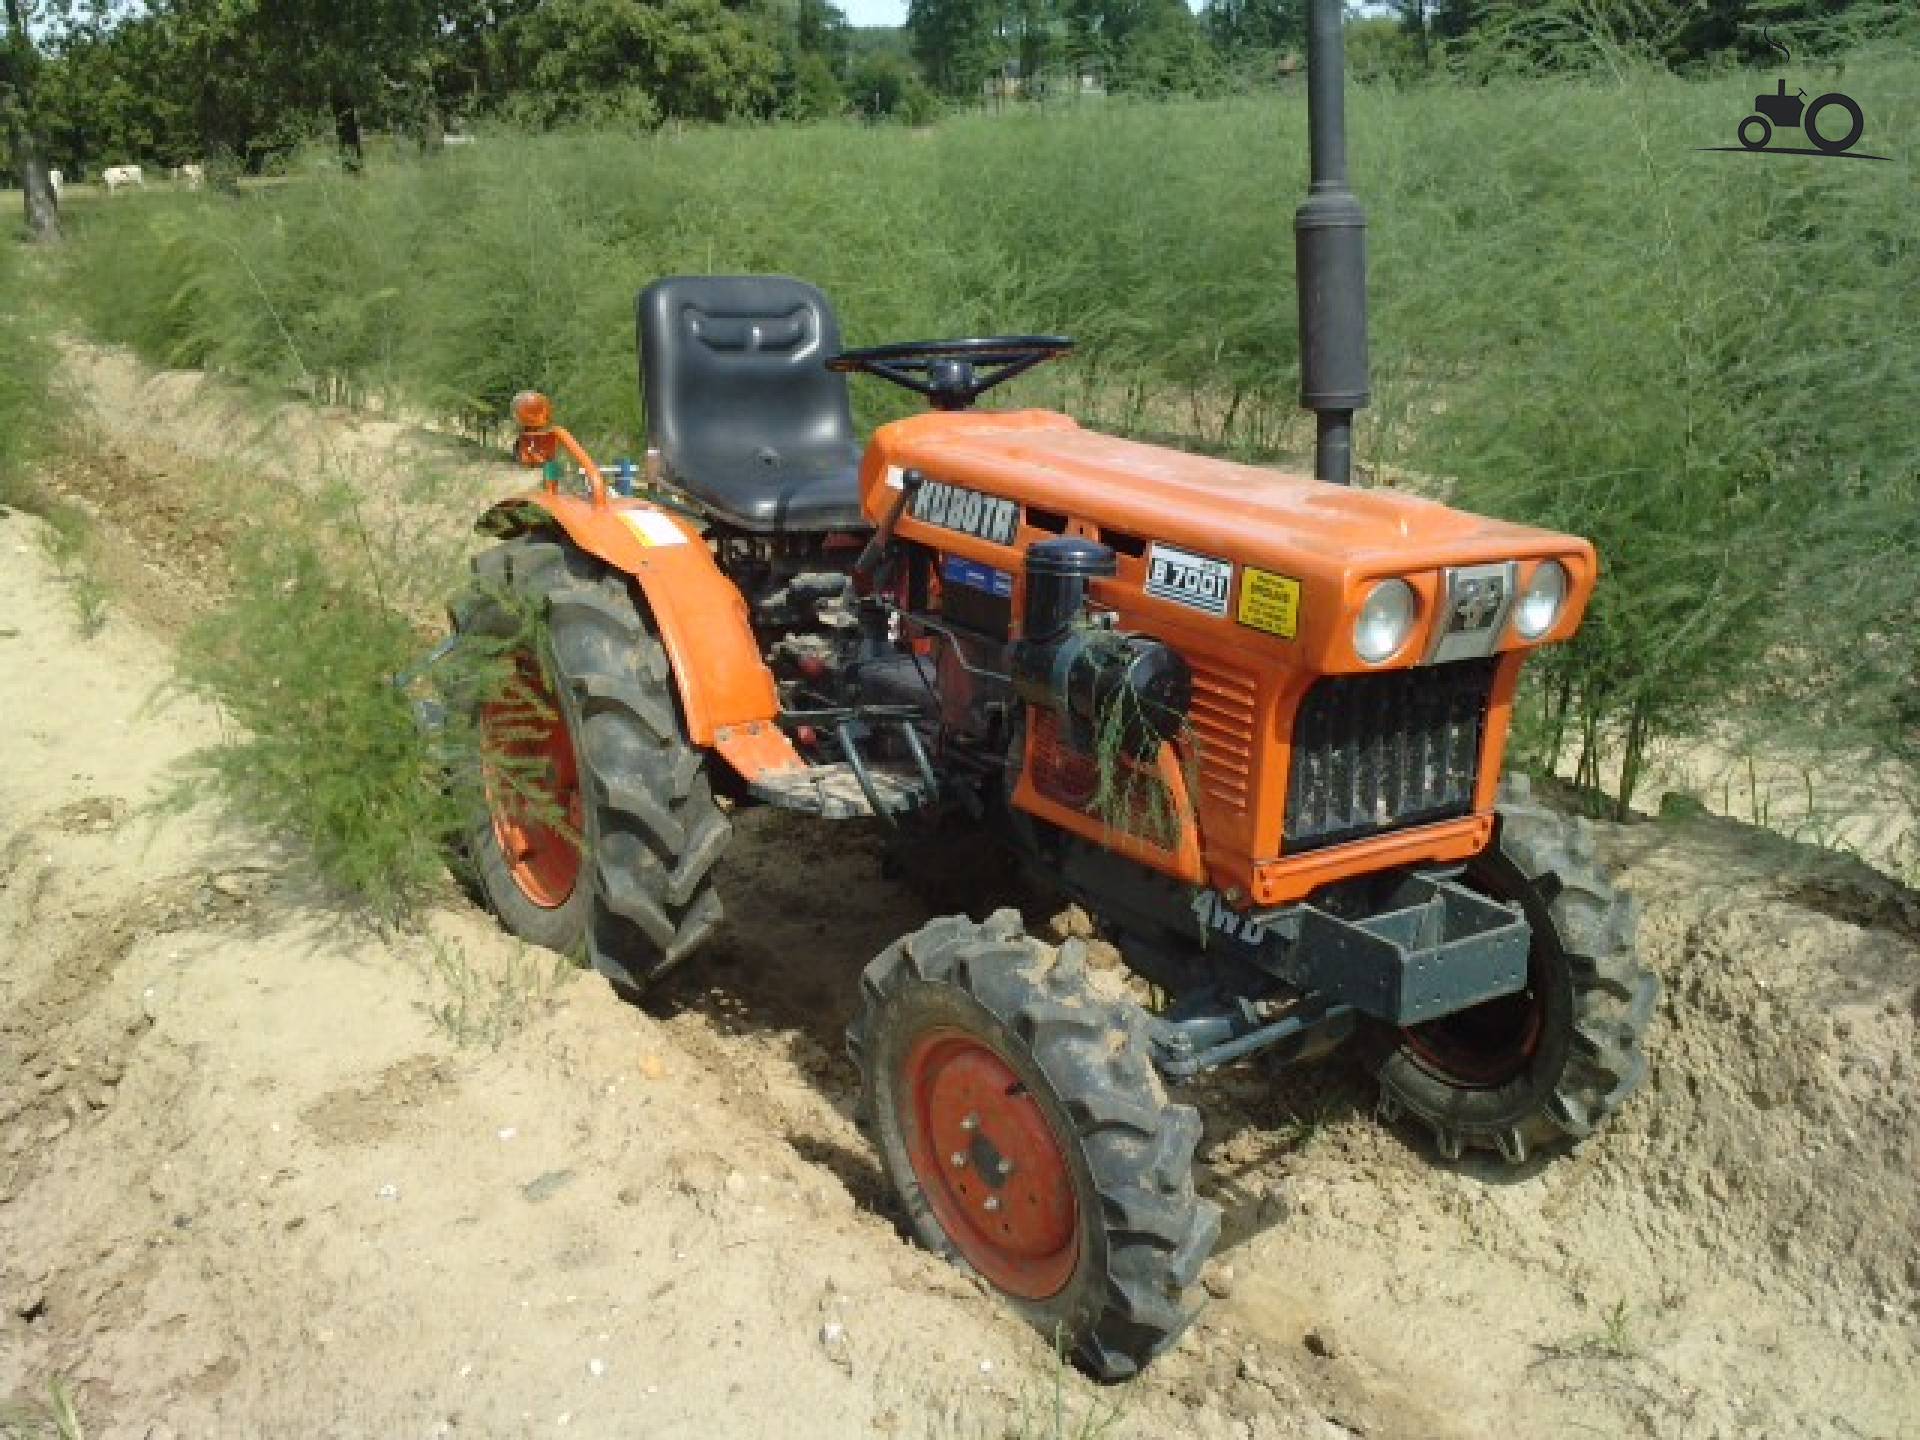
pixel 875 12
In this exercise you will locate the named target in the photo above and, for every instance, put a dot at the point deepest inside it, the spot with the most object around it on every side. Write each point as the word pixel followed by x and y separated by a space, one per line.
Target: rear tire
pixel 650 832
pixel 1544 1068
pixel 1093 1231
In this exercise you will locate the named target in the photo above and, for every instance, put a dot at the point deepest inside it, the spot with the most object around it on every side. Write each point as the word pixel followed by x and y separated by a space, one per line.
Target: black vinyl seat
pixel 741 406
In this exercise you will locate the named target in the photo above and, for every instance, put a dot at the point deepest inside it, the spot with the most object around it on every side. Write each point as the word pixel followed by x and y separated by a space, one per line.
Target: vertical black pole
pixel 1330 256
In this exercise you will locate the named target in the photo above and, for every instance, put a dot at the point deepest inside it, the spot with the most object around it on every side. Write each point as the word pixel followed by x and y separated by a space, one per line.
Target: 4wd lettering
pixel 1213 913
pixel 968 511
pixel 1197 581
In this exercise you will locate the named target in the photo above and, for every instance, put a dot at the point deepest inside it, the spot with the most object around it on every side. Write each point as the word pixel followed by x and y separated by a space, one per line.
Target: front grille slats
pixel 1221 717
pixel 1373 753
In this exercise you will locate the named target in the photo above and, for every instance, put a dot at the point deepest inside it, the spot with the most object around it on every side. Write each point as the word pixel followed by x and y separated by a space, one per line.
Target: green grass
pixel 57 1419
pixel 1704 361
pixel 30 404
pixel 68 540
pixel 317 740
pixel 483 1006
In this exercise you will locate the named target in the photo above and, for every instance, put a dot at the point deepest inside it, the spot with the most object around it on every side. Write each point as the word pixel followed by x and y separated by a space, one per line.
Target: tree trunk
pixel 29 153
pixel 346 129
pixel 36 186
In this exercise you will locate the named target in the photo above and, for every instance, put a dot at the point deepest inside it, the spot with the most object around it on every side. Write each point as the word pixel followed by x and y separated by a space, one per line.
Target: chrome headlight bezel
pixel 1386 621
pixel 1542 602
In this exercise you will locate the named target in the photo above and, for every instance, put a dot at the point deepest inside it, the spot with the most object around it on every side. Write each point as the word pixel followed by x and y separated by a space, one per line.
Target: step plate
pixel 833 791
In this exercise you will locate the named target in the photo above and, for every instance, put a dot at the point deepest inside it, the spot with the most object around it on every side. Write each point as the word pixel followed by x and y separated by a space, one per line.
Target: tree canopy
pixel 90 83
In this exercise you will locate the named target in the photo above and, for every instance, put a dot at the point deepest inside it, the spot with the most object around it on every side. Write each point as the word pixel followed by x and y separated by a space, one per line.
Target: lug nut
pixel 959 1160
pixel 972 1122
pixel 992 1202
pixel 1003 1167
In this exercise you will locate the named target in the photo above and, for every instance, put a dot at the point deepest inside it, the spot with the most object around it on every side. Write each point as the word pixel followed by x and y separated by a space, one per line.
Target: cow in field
pixel 191 176
pixel 120 177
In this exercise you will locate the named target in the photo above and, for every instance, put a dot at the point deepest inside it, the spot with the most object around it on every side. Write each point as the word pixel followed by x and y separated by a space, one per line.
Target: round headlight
pixel 1541 602
pixel 1386 619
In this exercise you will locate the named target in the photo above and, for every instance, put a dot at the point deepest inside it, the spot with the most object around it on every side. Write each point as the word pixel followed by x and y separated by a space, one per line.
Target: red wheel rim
pixel 990 1165
pixel 1483 1047
pixel 533 779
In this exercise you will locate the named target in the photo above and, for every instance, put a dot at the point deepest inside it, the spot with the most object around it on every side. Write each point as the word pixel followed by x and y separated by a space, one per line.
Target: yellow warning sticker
pixel 1269 602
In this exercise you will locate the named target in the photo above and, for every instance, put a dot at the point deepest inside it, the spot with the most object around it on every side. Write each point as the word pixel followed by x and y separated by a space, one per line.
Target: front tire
pixel 1019 1117
pixel 1856 123
pixel 627 873
pixel 1541 1069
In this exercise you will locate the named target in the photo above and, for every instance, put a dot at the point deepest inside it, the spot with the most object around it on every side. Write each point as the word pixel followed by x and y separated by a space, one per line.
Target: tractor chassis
pixel 1295 981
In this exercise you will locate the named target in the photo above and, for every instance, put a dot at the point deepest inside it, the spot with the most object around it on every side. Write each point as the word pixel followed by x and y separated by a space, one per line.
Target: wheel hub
pixel 1485 1046
pixel 990 1165
pixel 533 787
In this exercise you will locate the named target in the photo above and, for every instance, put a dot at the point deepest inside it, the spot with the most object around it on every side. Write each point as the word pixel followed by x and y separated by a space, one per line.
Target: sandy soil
pixel 263 1172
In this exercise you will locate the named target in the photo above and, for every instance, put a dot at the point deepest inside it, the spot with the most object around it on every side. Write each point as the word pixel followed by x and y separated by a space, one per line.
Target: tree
pixel 1240 27
pixel 694 59
pixel 885 86
pixel 1413 17
pixel 956 43
pixel 1160 48
pixel 26 140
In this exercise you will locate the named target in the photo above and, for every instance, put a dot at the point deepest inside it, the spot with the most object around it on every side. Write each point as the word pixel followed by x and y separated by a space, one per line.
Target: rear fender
pixel 727 695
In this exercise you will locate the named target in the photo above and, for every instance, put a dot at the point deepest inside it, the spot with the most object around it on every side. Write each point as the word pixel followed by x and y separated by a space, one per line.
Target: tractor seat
pixel 741 406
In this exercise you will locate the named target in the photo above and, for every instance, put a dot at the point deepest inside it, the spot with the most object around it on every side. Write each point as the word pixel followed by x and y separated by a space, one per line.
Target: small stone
pixel 545 1186
pixel 652 1067
pixel 508 1133
pixel 833 1334
pixel 986 1367
pixel 388 1191
pixel 565 1417
pixel 1072 923
pixel 1219 1281
pixel 736 1183
pixel 233 884
pixel 596 1367
pixel 1324 1342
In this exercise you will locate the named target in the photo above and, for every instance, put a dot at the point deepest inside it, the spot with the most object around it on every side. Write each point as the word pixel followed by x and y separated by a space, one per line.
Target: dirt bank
pixel 264 1173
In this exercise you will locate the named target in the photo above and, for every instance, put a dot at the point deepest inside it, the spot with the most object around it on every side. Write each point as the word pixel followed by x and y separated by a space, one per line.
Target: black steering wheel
pixel 952 374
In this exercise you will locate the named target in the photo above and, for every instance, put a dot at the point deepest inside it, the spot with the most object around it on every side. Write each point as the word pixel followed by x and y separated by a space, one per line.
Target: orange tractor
pixel 1251 721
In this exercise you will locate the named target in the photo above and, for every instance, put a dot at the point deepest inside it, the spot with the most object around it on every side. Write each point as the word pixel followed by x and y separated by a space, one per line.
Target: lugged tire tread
pixel 1137 1144
pixel 1615 995
pixel 643 780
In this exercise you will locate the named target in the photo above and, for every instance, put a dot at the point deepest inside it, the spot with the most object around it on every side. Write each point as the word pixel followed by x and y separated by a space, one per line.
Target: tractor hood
pixel 1273 518
pixel 1279 558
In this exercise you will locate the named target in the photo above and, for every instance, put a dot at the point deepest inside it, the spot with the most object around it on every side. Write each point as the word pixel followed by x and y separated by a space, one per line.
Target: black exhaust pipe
pixel 1330 256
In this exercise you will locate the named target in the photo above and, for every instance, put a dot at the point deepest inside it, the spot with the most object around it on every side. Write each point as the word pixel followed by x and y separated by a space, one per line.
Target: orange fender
pixel 727 694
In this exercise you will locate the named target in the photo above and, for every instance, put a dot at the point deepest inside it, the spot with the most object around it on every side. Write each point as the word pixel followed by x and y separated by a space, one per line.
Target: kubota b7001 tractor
pixel 1253 722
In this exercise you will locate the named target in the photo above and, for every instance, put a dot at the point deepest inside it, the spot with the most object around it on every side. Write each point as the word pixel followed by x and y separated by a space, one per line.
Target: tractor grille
pixel 1373 753
pixel 1221 717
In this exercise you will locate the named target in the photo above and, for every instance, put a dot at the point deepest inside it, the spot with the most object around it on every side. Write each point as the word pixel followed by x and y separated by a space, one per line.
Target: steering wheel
pixel 952 374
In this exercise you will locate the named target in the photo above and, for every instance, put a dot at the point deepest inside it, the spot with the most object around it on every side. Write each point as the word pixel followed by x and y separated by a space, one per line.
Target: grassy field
pixel 1704 360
